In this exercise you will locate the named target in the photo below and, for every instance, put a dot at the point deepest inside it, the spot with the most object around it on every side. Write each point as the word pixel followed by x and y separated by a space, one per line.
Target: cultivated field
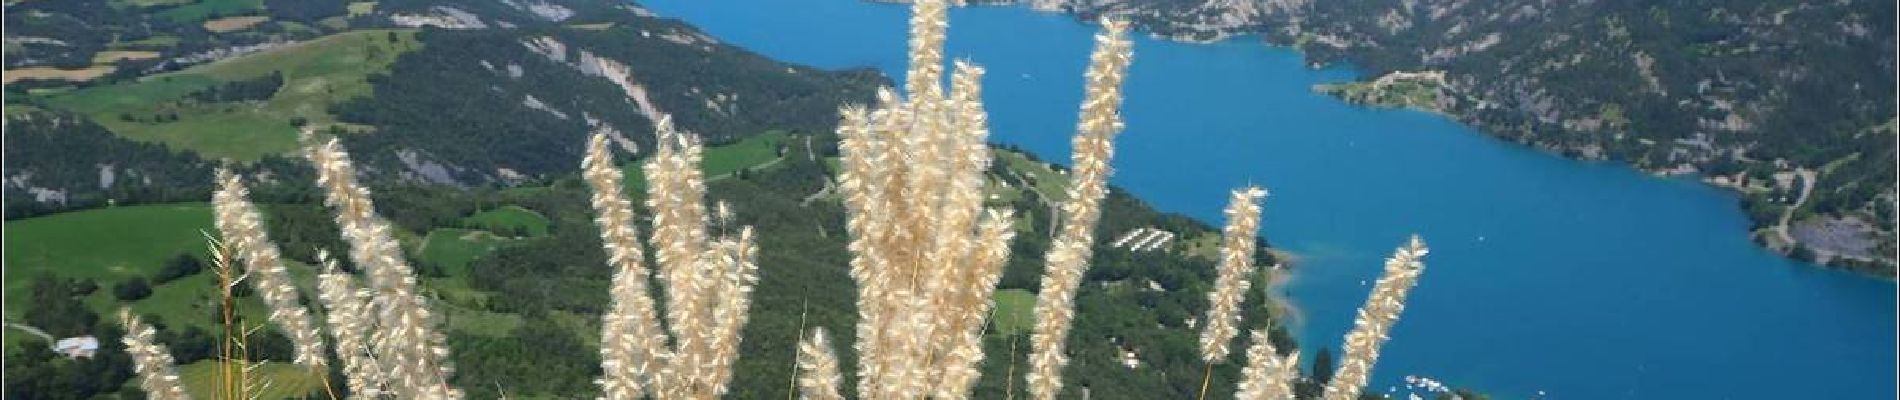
pixel 108 56
pixel 75 75
pixel 233 24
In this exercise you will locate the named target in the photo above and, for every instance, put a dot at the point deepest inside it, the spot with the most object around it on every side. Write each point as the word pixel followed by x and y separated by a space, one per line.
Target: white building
pixel 76 347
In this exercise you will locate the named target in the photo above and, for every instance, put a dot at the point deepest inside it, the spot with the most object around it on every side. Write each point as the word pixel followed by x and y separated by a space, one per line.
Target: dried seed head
pixel 242 227
pixel 1232 275
pixel 1374 324
pixel 157 374
pixel 1068 256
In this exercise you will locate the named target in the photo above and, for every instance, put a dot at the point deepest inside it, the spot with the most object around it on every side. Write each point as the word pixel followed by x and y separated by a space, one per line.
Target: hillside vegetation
pixel 316 75
pixel 521 310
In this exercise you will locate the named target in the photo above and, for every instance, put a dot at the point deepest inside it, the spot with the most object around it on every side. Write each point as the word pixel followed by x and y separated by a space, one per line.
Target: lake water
pixel 1577 280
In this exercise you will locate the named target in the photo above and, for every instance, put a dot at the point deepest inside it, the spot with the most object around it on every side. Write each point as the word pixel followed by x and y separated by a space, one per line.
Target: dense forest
pixel 59 161
pixel 257 89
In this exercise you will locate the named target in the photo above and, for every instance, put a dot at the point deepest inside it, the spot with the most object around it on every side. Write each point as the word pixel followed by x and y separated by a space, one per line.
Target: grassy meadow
pixel 509 219
pixel 1014 311
pixel 110 245
pixel 721 161
pixel 286 381
pixel 318 73
pixel 200 10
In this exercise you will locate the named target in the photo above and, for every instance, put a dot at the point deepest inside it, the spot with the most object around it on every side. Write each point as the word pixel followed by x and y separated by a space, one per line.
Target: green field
pixel 106 245
pixel 362 8
pixel 161 41
pixel 111 245
pixel 285 381
pixel 1405 93
pixel 318 73
pixel 201 10
pixel 509 219
pixel 1014 308
pixel 721 161
pixel 1052 185
pixel 728 159
pixel 453 249
pixel 1206 246
pixel 468 320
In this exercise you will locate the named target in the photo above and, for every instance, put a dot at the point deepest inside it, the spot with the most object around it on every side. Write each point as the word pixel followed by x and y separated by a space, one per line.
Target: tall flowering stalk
pixel 730 264
pixel 152 361
pixel 818 374
pixel 234 367
pixel 926 254
pixel 1231 281
pixel 347 312
pixel 1068 255
pixel 1268 376
pixel 242 227
pixel 928 21
pixel 407 339
pixel 1374 324
pixel 675 193
pixel 631 345
pixel 708 280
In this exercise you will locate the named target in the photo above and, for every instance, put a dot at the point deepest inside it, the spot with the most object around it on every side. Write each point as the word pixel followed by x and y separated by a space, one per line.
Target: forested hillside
pixel 423 98
pixel 1759 96
pixel 435 111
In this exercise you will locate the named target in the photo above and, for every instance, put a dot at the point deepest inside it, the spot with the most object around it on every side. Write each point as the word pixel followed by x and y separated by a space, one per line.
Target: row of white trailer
pixel 1143 239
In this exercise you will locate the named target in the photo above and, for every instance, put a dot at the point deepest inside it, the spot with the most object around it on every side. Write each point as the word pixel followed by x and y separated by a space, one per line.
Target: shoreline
pixel 1879 266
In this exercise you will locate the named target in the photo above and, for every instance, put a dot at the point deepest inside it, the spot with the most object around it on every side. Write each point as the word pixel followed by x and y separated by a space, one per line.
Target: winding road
pixel 1807 187
pixel 33 331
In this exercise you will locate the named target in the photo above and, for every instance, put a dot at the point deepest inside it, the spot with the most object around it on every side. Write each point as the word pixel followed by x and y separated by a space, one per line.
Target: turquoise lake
pixel 1572 279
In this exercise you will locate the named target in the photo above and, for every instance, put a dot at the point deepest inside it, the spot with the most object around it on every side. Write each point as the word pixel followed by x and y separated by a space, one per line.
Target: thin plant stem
pixel 793 393
pixel 327 390
pixel 1206 375
pixel 1009 383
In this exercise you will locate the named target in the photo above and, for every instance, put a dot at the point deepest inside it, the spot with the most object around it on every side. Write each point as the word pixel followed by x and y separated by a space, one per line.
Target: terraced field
pixel 50 73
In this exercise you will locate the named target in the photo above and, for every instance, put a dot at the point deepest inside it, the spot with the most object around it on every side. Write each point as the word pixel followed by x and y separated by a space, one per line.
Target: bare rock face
pixel 441 17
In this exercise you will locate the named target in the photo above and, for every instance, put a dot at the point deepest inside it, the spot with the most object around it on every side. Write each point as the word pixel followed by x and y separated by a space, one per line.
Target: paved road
pixel 33 331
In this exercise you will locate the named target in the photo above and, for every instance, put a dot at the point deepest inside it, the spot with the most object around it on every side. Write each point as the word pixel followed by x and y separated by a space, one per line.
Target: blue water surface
pixel 1572 279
